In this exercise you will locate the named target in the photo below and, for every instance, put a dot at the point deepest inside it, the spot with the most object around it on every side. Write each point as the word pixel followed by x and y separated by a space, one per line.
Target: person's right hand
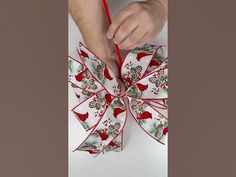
pixel 138 23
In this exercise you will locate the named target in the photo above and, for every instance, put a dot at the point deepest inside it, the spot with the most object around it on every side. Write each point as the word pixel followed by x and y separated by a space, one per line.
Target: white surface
pixel 141 157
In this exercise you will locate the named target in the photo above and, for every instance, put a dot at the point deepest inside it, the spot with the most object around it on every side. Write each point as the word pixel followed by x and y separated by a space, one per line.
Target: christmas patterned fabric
pixel 103 109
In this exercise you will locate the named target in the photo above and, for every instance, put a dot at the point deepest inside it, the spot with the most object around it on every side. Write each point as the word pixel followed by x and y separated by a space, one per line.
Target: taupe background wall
pixel 202 97
pixel 33 89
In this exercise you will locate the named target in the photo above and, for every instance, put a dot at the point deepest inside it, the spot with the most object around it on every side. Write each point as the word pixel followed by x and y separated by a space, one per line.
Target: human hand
pixel 138 23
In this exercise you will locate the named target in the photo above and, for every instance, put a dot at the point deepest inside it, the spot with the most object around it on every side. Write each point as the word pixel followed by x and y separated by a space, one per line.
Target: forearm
pixel 89 17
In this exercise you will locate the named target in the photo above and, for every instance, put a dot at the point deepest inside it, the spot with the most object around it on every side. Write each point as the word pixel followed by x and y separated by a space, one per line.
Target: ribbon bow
pixel 102 109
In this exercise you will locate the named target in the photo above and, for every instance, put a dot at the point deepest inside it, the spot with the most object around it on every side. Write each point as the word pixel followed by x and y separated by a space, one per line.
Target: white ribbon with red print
pixel 102 108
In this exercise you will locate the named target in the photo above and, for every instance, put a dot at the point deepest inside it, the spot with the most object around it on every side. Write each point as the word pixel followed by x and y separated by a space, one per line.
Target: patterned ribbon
pixel 102 107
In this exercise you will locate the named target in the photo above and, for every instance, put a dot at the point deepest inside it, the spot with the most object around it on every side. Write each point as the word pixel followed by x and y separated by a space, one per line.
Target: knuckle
pixel 146 15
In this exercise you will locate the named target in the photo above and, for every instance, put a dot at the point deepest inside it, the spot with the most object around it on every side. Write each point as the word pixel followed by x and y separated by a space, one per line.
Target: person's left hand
pixel 138 23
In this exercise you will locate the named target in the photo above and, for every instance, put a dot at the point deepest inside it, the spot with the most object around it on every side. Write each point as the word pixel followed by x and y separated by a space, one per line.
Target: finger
pixel 146 38
pixel 125 29
pixel 122 15
pixel 133 39
pixel 138 44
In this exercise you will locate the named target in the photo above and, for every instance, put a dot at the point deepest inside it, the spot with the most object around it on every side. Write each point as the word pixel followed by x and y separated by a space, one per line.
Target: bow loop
pixel 100 71
pixel 81 78
pixel 108 130
pixel 139 61
pixel 153 85
pixel 102 109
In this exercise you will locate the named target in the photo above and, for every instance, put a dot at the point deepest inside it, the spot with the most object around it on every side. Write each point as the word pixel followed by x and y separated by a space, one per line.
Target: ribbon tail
pixel 107 133
pixel 85 111
pixel 115 145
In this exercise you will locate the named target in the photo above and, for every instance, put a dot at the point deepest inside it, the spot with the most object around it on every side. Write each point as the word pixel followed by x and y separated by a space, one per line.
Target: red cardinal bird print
pixel 91 151
pixel 79 77
pixel 107 74
pixel 83 54
pixel 165 131
pixel 141 55
pixel 142 87
pixel 102 135
pixel 145 115
pixel 117 111
pixel 128 80
pixel 112 144
pixel 154 63
pixel 108 98
pixel 82 117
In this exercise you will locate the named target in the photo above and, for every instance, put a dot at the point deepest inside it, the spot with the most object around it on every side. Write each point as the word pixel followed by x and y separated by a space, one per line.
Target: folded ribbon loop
pixel 102 109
